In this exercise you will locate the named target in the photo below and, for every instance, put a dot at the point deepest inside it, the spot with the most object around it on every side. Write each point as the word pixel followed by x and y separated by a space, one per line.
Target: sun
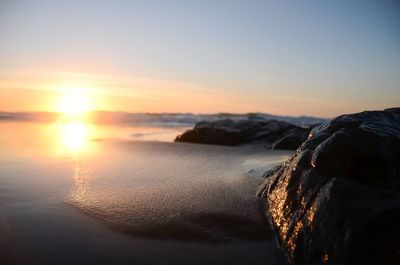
pixel 74 104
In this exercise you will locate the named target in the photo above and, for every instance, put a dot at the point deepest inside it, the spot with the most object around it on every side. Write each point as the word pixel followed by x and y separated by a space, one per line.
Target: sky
pixel 320 58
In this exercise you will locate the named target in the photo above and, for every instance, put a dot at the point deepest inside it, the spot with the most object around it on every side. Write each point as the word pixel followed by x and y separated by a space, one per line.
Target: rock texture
pixel 337 199
pixel 271 133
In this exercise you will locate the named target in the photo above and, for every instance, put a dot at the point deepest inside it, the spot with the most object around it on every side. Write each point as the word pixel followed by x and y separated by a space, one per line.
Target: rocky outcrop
pixel 337 199
pixel 271 133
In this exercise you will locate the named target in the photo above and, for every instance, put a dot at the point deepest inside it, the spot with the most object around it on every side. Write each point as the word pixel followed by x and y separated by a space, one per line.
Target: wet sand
pixel 127 202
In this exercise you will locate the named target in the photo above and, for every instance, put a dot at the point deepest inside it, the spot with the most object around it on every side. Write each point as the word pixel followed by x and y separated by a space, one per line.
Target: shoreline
pixel 133 182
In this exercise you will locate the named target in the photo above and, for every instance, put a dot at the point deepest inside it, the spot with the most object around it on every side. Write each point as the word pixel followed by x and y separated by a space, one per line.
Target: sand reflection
pixel 74 135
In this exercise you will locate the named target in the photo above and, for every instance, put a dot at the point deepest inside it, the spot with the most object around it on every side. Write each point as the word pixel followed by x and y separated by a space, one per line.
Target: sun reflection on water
pixel 74 135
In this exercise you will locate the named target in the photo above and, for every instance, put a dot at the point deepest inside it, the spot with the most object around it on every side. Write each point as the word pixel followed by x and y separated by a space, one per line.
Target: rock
pixel 271 133
pixel 337 199
pixel 290 141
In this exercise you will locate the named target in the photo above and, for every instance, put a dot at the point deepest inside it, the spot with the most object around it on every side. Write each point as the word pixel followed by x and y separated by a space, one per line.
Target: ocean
pixel 76 193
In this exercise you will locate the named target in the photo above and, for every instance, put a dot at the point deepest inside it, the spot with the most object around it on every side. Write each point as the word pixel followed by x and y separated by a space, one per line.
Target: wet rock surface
pixel 270 133
pixel 337 199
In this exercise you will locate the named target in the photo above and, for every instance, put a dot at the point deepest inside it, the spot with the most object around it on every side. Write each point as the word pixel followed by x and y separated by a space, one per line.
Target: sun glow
pixel 74 135
pixel 73 125
pixel 74 104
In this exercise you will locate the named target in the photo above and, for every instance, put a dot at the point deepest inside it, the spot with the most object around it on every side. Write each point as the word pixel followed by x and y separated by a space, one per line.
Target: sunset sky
pixel 320 58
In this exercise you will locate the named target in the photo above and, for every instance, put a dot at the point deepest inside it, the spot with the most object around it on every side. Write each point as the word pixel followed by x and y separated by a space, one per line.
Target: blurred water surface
pixel 76 193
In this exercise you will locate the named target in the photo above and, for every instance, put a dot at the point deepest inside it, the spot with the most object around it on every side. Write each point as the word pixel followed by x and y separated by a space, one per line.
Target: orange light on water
pixel 74 135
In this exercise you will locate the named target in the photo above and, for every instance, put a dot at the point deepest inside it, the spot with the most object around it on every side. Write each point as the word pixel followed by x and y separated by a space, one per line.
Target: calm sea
pixel 76 193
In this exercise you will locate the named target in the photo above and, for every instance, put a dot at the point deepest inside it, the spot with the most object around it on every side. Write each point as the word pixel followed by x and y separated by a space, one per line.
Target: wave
pixel 158 119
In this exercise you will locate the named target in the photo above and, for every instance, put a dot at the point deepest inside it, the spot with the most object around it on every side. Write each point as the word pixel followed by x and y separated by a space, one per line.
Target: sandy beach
pixel 111 200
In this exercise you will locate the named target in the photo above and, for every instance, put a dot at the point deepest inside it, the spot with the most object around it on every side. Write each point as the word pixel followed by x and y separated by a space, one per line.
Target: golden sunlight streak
pixel 74 135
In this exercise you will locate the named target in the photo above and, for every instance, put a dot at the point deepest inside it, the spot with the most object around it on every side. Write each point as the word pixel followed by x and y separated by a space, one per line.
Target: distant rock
pixel 337 199
pixel 270 133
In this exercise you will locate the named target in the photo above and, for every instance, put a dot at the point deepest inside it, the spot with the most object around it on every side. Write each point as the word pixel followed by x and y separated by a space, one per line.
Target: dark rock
pixel 271 133
pixel 337 199
pixel 291 140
